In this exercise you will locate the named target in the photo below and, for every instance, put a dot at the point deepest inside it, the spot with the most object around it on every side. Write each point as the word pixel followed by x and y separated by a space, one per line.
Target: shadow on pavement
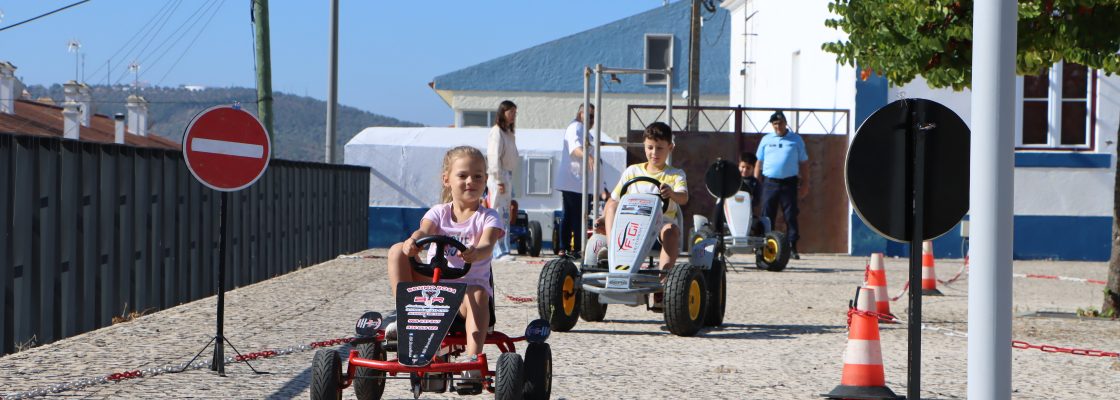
pixel 301 382
pixel 749 331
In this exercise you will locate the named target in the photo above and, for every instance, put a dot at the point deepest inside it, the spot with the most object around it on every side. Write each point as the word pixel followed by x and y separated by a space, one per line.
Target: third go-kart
pixel 742 232
pixel 694 293
pixel 431 335
pixel 524 233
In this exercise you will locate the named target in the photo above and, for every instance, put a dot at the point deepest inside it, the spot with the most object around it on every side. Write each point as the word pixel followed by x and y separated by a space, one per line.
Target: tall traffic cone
pixel 877 279
pixel 929 279
pixel 863 376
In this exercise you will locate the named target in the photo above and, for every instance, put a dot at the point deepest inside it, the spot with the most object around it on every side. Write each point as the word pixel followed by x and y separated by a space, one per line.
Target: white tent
pixel 405 165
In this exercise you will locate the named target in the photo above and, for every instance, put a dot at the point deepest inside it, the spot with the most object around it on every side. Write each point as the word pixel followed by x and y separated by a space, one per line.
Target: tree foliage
pixel 903 39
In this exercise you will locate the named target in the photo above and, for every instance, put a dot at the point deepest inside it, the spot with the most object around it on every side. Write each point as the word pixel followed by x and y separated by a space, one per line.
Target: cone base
pixel 861 393
pixel 931 292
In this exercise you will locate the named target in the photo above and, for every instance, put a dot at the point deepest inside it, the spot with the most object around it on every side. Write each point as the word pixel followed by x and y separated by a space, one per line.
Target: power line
pixel 191 44
pixel 151 38
pixel 193 20
pixel 134 36
pixel 40 16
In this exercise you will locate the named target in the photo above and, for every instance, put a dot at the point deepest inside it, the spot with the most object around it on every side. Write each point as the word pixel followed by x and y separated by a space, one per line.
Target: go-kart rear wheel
pixel 326 375
pixel 538 371
pixel 556 239
pixel 522 247
pixel 558 294
pixel 774 253
pixel 717 294
pixel 534 239
pixel 686 300
pixel 509 379
pixel 590 308
pixel 369 384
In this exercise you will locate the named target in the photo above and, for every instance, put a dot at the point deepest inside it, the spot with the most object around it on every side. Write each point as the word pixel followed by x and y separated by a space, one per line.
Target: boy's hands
pixel 666 191
pixel 410 249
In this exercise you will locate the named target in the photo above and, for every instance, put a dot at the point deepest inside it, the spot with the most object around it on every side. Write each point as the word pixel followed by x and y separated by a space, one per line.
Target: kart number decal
pixel 635 209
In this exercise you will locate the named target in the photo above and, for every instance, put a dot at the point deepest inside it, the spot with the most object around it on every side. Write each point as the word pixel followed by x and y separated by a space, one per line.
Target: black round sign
pixel 879 168
pixel 722 179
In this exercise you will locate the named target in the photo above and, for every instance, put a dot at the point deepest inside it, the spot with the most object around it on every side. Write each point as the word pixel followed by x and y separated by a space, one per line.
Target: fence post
pixel 69 190
pixel 45 214
pixel 7 169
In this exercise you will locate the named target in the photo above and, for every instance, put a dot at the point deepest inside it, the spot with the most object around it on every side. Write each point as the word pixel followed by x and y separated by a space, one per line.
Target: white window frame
pixel 645 56
pixel 1054 102
pixel 490 116
pixel 529 176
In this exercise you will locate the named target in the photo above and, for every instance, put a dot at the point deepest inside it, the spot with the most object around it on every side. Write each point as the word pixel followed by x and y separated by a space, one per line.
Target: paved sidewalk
pixel 784 338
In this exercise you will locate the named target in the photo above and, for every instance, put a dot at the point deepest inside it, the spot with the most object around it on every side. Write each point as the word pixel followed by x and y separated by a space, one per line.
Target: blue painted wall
pixel 555 66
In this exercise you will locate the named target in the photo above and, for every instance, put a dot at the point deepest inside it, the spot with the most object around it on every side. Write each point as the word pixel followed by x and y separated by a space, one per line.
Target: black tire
pixel 686 298
pixel 326 375
pixel 558 294
pixel 538 371
pixel 556 240
pixel 509 379
pixel 535 239
pixel 522 248
pixel 369 384
pixel 717 294
pixel 590 308
pixel 774 253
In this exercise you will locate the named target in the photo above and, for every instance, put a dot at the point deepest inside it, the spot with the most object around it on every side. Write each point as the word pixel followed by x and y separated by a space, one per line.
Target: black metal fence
pixel 90 231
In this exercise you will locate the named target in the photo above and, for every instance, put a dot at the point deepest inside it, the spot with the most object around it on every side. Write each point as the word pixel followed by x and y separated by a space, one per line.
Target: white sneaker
pixel 506 258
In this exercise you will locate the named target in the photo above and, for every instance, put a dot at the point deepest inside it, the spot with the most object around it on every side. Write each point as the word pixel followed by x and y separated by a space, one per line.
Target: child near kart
pixel 657 145
pixel 460 215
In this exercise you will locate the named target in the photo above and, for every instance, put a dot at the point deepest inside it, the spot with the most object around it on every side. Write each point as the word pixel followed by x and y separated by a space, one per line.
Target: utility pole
pixel 694 68
pixel 332 86
pixel 264 64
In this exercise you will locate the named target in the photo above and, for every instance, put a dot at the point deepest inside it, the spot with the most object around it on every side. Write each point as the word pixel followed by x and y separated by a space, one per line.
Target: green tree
pixel 904 39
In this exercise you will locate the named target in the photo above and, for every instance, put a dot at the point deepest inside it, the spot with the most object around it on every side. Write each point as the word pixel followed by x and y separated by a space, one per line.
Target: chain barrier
pixel 1019 344
pixel 352 257
pixel 1061 278
pixel 167 369
pixel 905 287
pixel 960 272
pixel 879 316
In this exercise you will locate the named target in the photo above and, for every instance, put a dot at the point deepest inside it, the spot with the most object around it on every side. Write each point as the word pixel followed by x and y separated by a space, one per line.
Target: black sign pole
pixel 916 131
pixel 219 363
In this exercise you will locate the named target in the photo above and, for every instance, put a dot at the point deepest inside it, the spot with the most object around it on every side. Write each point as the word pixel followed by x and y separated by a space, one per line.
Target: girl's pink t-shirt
pixel 468 233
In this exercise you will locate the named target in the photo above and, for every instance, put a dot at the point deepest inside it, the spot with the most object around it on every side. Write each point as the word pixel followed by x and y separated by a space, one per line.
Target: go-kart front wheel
pixel 538 371
pixel 558 294
pixel 509 379
pixel 369 384
pixel 591 310
pixel 326 375
pixel 774 253
pixel 686 300
pixel 534 240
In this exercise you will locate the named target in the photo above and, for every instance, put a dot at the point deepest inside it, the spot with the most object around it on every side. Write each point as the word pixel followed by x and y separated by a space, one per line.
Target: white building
pixel 1066 131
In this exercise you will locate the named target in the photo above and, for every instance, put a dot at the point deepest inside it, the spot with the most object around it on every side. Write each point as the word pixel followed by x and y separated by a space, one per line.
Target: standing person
pixel 501 161
pixel 784 163
pixel 571 176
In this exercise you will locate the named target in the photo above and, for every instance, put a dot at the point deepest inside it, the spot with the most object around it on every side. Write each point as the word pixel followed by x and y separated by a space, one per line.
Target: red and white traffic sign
pixel 226 148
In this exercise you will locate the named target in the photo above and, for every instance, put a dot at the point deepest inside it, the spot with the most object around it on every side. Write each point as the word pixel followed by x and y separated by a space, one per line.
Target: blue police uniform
pixel 781 157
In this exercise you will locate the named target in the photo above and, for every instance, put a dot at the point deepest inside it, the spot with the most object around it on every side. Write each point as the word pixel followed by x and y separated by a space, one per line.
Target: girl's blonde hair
pixel 449 158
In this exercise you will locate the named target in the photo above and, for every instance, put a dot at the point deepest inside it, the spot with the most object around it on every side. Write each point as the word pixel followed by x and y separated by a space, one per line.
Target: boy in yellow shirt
pixel 658 144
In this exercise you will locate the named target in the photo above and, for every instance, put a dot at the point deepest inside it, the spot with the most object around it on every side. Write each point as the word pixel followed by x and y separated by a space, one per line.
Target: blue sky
pixel 388 50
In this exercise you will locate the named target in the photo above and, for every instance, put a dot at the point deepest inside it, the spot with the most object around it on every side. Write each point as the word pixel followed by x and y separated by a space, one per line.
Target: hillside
pixel 299 121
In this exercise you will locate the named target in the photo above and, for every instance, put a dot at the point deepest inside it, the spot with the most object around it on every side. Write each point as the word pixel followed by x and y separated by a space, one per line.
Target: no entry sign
pixel 226 148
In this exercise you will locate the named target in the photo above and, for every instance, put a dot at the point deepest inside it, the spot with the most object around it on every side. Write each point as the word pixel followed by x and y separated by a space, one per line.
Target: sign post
pixel 226 149
pixel 907 177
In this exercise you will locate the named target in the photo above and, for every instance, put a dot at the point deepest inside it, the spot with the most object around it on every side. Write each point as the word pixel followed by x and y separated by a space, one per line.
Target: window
pixel 1057 108
pixel 659 55
pixel 479 118
pixel 539 179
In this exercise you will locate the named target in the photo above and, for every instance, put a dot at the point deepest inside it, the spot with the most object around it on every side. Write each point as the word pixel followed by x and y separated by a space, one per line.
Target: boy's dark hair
pixel 659 131
pixel 748 158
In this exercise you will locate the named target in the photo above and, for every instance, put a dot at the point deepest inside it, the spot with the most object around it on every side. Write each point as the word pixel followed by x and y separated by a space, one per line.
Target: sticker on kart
pixel 425 312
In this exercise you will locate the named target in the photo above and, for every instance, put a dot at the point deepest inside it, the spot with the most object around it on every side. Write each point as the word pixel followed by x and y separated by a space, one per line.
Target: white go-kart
pixel 694 294
pixel 742 233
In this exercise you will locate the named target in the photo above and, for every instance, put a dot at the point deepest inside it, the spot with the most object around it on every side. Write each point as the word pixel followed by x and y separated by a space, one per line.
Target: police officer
pixel 784 163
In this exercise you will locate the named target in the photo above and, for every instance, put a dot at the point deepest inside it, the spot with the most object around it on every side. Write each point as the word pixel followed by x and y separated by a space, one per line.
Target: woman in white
pixel 501 161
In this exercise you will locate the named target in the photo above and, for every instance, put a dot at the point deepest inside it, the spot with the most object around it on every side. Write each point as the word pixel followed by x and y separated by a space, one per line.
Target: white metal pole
pixel 991 202
pixel 597 183
pixel 583 160
pixel 332 87
pixel 669 97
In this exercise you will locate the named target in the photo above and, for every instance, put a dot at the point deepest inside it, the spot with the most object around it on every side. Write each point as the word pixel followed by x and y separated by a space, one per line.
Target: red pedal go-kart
pixel 429 335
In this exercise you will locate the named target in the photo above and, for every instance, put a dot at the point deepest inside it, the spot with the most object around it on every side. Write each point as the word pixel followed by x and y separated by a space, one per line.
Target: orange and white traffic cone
pixel 929 278
pixel 863 376
pixel 877 279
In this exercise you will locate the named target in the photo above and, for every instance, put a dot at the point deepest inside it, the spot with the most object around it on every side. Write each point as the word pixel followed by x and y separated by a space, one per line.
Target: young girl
pixel 461 216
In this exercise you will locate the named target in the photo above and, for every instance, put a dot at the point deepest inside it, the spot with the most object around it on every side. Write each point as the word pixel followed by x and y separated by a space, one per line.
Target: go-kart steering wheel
pixel 439 261
pixel 646 179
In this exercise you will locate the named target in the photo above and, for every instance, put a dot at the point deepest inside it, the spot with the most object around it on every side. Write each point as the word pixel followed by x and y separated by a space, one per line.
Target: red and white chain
pixel 155 371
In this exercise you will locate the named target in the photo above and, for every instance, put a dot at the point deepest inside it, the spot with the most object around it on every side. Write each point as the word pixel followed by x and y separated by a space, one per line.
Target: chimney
pixel 79 93
pixel 118 125
pixel 137 115
pixel 7 88
pixel 70 120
